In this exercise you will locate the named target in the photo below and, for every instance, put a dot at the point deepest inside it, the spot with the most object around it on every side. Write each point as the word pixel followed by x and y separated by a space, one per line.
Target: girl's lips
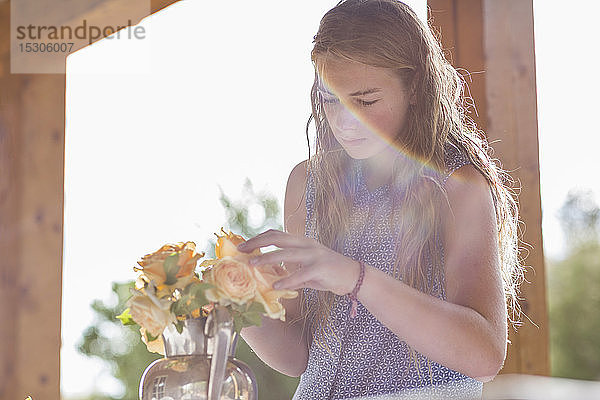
pixel 353 141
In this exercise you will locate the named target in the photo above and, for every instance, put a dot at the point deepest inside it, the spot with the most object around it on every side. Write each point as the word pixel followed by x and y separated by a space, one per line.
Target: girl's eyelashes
pixel 366 103
pixel 334 100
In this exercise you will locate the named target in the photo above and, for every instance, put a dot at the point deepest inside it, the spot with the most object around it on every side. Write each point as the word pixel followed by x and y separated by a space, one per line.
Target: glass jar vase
pixel 199 363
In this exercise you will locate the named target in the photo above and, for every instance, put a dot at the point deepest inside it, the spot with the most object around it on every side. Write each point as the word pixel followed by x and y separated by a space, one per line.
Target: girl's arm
pixel 468 332
pixel 279 344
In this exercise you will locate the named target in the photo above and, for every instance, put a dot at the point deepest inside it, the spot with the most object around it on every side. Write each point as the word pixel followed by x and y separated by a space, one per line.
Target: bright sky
pixel 213 96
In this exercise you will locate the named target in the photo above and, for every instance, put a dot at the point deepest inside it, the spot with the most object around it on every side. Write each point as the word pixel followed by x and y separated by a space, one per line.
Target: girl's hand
pixel 318 267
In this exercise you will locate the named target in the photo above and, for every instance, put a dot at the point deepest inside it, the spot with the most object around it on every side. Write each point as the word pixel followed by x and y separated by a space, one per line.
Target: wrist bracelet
pixel 352 295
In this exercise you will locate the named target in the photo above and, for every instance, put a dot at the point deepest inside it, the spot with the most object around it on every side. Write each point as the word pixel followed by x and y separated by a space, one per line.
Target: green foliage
pixel 192 298
pixel 247 315
pixel 237 212
pixel 574 306
pixel 574 293
pixel 120 346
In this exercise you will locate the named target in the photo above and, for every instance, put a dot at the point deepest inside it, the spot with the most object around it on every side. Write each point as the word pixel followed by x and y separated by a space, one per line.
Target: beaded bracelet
pixel 352 295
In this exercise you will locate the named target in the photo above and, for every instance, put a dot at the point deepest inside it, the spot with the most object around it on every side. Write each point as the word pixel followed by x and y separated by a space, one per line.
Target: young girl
pixel 399 229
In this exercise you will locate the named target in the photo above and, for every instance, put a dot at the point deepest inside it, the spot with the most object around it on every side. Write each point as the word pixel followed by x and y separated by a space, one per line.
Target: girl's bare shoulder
pixel 294 205
pixel 467 181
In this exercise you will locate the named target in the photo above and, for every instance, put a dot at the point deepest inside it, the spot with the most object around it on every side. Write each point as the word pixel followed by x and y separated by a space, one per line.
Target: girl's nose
pixel 345 119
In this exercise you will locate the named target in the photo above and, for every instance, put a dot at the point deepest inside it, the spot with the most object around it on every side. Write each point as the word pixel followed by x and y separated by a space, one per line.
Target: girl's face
pixel 365 106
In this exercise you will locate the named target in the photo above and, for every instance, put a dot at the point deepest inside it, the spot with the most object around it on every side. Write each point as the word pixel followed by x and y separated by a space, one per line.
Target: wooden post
pixel 32 127
pixel 494 41
pixel 33 171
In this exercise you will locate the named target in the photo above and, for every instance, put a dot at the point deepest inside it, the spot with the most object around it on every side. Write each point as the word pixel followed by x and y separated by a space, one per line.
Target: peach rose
pixel 149 315
pixel 233 281
pixel 188 259
pixel 155 346
pixel 265 276
pixel 227 245
pixel 154 268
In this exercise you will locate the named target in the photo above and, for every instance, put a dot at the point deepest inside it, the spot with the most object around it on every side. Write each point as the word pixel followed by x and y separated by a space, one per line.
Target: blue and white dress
pixel 369 360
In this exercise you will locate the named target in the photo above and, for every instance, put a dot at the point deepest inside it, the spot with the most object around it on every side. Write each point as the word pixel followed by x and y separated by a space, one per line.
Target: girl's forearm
pixel 282 349
pixel 455 336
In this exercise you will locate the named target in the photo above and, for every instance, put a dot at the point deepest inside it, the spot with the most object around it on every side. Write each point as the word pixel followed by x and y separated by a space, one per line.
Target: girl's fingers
pixel 295 280
pixel 272 237
pixel 292 255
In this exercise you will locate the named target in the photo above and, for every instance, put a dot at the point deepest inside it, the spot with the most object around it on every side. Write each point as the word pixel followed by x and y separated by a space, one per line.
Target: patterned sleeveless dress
pixel 369 361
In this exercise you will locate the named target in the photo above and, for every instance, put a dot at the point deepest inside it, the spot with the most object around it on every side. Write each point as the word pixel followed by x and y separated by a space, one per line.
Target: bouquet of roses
pixel 169 289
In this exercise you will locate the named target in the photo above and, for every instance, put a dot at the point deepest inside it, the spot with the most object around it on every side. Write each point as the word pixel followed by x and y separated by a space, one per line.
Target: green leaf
pixel 150 338
pixel 180 307
pixel 237 323
pixel 171 279
pixel 197 293
pixel 176 307
pixel 179 326
pixel 253 318
pixel 237 307
pixel 171 269
pixel 233 312
pixel 257 308
pixel 126 318
pixel 170 263
pixel 200 287
pixel 189 302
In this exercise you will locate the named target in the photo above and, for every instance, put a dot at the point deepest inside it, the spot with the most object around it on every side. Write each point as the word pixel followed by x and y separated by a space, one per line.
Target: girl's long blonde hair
pixel 388 34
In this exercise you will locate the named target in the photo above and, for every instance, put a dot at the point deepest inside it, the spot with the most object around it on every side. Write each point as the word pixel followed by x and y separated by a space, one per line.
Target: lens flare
pixel 326 97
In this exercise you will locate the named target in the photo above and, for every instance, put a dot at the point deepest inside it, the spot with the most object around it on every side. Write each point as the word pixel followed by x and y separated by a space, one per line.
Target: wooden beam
pixel 32 122
pixel 9 228
pixel 493 40
pixel 82 16
pixel 460 27
pixel 512 118
pixel 33 199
